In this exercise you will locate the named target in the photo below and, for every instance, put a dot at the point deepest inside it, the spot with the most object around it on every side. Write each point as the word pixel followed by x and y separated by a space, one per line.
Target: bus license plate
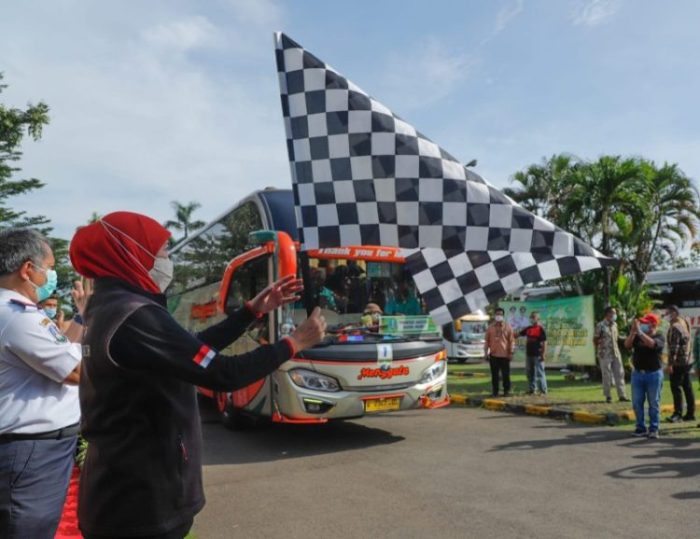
pixel 383 405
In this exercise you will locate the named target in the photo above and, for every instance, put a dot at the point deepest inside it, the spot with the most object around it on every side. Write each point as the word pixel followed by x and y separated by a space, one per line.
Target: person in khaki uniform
pixel 680 365
pixel 609 358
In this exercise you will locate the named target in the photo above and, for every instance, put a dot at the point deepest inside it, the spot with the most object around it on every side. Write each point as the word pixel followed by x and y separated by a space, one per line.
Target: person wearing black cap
pixel 680 365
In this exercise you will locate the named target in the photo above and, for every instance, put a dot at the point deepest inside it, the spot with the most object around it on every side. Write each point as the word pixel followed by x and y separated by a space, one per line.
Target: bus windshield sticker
pixel 385 353
pixel 407 325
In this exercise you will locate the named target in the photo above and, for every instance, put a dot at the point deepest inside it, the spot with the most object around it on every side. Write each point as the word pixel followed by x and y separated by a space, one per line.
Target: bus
pixel 388 358
pixel 679 287
pixel 466 336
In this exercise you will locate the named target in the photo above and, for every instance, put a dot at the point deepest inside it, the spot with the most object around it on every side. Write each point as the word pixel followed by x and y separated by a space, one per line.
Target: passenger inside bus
pixel 404 301
pixel 371 317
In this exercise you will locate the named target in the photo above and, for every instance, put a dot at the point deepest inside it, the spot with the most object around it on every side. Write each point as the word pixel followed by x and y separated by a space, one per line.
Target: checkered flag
pixel 455 284
pixel 363 176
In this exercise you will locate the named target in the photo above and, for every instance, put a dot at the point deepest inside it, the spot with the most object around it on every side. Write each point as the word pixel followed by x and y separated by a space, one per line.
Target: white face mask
pixel 162 272
pixel 498 318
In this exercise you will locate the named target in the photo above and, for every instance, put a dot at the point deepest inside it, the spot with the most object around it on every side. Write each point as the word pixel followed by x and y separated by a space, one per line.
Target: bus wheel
pixel 232 418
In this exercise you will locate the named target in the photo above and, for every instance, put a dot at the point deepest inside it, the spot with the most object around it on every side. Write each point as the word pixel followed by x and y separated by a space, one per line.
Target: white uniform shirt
pixel 35 357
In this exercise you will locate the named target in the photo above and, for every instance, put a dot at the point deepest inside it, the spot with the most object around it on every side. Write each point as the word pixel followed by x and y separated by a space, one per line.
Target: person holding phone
pixel 648 375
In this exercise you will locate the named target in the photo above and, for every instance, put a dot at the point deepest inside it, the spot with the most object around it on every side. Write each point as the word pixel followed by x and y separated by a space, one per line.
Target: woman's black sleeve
pixel 151 340
pixel 227 331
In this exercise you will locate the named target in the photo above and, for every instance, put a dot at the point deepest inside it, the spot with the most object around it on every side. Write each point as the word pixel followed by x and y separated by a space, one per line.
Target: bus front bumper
pixel 298 404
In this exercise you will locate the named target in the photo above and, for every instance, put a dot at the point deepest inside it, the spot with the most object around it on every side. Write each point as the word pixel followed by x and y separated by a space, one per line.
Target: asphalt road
pixel 456 472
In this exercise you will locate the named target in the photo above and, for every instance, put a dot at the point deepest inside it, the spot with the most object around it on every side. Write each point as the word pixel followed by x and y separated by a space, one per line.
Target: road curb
pixel 540 410
pixel 470 374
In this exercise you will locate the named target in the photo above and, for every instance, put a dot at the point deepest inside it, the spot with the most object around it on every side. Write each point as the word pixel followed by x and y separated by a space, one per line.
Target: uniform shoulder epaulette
pixel 23 304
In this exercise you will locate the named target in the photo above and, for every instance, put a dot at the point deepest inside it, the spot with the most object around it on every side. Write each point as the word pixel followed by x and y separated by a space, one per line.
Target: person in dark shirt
pixel 648 375
pixel 535 353
pixel 142 475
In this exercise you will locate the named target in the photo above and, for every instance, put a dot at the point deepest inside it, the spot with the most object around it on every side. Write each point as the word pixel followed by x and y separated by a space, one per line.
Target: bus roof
pixel 680 275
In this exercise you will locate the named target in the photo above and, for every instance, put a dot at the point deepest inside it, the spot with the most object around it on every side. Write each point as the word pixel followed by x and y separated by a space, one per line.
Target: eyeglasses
pixel 36 266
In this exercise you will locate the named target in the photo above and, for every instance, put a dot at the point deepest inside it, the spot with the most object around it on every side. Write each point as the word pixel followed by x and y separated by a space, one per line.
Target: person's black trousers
pixel 34 476
pixel 680 385
pixel 499 365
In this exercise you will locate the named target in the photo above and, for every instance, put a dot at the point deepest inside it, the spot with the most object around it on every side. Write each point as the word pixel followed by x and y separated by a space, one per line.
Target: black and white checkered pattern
pixel 363 176
pixel 459 283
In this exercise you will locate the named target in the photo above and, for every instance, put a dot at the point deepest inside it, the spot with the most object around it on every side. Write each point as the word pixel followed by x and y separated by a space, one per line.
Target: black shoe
pixel 530 392
pixel 506 394
pixel 639 433
pixel 494 395
pixel 624 399
pixel 687 417
pixel 675 418
pixel 608 399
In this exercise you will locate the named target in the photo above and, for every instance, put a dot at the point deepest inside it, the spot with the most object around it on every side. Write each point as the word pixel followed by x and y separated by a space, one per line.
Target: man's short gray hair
pixel 18 245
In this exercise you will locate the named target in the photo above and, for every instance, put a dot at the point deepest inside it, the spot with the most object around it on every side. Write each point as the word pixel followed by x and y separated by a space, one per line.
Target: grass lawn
pixel 573 395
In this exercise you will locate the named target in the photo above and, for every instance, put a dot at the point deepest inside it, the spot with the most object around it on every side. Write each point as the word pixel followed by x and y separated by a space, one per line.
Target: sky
pixel 178 100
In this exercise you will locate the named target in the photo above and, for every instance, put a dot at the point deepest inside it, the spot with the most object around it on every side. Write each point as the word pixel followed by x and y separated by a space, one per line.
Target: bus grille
pixel 389 387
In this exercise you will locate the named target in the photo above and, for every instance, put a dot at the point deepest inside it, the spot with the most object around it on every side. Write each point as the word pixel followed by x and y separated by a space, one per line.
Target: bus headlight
pixel 313 380
pixel 434 371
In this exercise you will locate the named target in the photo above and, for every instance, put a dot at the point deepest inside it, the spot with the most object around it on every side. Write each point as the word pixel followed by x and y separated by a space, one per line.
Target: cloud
pixel 185 34
pixel 426 74
pixel 594 12
pixel 506 14
pixel 262 13
pixel 152 109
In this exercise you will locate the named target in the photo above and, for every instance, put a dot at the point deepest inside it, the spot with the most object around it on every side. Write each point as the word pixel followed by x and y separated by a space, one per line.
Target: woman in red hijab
pixel 142 474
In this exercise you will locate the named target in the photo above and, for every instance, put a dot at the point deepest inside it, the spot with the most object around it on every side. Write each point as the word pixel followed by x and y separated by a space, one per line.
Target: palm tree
pixel 544 188
pixel 183 218
pixel 601 204
pixel 673 216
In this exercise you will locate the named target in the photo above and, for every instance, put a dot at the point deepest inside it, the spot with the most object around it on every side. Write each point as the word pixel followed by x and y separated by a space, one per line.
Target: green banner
pixel 408 325
pixel 568 322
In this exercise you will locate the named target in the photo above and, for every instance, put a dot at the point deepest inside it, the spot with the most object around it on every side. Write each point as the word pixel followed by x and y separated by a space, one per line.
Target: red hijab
pixel 122 245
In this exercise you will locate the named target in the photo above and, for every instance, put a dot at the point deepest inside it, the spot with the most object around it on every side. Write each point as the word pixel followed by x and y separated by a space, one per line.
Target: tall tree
pixel 183 218
pixel 14 125
pixel 628 208
pixel 672 218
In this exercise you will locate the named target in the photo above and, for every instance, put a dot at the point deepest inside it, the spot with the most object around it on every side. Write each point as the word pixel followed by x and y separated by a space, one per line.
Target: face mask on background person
pixel 644 328
pixel 498 318
pixel 50 312
pixel 44 291
pixel 162 272
pixel 614 318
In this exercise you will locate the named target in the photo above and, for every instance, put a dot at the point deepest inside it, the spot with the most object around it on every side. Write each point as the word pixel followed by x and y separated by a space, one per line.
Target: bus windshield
pixel 356 293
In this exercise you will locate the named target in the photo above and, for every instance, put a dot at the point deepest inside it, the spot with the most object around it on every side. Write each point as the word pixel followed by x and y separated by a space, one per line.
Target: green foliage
pixel 629 208
pixel 14 125
pixel 183 219
pixel 632 301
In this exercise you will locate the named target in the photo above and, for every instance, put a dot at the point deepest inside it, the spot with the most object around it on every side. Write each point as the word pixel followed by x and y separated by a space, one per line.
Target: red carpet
pixel 68 527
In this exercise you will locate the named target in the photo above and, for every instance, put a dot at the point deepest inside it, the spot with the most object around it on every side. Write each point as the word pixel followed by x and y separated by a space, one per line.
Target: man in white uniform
pixel 39 373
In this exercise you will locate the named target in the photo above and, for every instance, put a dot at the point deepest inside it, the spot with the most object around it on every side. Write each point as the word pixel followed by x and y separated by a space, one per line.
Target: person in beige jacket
pixel 498 348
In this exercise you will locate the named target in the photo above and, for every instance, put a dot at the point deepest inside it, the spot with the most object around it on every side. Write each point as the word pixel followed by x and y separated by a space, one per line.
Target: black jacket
pixel 142 474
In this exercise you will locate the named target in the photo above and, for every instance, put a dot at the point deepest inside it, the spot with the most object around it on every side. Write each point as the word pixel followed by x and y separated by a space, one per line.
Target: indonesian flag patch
pixel 204 356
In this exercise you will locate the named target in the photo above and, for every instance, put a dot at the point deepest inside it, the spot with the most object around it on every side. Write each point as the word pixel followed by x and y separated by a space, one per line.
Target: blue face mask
pixel 51 313
pixel 644 328
pixel 44 291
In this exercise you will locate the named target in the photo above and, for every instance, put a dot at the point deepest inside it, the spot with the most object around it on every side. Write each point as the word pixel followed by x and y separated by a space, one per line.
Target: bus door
pixel 245 277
